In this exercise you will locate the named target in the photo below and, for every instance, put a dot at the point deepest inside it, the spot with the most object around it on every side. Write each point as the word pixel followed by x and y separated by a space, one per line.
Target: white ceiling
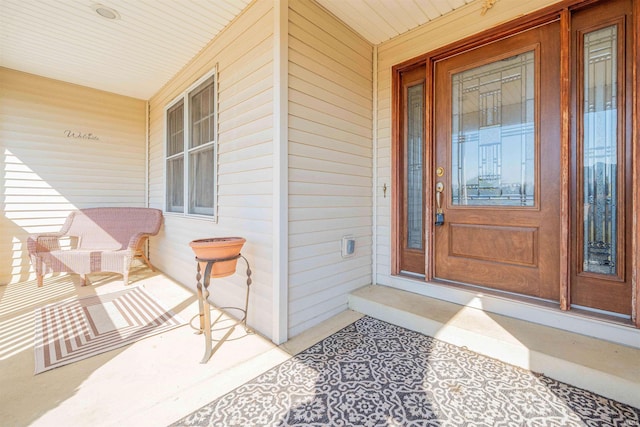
pixel 152 40
pixel 381 20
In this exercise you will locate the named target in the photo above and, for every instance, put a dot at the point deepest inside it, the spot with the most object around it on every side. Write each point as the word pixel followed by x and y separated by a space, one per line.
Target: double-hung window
pixel 191 138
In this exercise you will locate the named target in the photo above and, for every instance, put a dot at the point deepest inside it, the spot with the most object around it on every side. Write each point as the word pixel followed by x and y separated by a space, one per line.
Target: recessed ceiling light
pixel 106 12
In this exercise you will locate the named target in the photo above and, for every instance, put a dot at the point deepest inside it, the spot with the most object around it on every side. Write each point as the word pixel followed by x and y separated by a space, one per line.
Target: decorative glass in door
pixel 414 150
pixel 493 133
pixel 600 151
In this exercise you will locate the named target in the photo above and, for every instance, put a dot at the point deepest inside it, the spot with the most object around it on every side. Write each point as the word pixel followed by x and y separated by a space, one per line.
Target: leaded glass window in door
pixel 600 151
pixel 493 133
pixel 414 160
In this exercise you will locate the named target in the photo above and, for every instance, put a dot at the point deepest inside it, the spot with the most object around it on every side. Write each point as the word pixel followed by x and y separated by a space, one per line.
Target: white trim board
pixel 280 172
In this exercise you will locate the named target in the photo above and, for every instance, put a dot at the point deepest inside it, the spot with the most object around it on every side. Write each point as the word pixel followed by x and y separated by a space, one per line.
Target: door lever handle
pixel 439 190
pixel 439 213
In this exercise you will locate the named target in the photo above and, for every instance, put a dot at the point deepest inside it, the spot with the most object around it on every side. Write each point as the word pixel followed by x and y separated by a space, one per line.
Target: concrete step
pixel 609 369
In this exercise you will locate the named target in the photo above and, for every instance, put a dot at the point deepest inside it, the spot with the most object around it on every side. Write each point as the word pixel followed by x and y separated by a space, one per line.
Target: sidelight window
pixel 415 172
pixel 600 151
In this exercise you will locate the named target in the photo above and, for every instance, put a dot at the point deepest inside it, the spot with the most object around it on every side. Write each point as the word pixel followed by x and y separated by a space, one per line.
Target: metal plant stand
pixel 204 307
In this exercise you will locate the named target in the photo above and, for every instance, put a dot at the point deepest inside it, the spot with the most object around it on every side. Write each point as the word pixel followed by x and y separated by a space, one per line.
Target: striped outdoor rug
pixel 72 330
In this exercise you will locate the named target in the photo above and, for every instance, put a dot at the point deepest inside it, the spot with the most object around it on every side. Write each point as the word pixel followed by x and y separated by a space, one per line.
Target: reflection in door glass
pixel 600 156
pixel 415 118
pixel 492 133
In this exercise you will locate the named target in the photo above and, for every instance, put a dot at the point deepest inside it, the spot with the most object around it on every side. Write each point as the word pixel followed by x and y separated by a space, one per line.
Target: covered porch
pixel 304 108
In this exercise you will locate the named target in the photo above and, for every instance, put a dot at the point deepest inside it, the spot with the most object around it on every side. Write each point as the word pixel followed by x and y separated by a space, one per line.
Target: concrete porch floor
pixel 158 380
pixel 152 382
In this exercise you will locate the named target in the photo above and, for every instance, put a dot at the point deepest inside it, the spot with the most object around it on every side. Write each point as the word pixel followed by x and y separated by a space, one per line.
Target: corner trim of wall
pixel 280 251
pixel 374 148
pixel 147 142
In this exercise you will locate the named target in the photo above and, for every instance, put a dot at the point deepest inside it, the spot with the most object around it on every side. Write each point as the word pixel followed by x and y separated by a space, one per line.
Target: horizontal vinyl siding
pixel 45 174
pixel 243 53
pixel 453 26
pixel 330 163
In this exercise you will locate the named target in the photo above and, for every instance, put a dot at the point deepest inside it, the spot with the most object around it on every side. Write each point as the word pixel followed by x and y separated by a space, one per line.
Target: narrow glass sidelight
pixel 415 167
pixel 600 151
pixel 493 133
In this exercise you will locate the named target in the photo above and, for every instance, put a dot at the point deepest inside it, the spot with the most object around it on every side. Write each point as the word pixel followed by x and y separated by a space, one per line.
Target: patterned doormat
pixel 75 329
pixel 375 374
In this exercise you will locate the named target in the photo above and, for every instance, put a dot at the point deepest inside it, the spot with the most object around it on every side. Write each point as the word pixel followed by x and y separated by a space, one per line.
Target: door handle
pixel 439 213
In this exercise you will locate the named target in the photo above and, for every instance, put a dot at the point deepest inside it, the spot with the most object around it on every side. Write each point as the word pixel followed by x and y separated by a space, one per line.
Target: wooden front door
pixel 496 172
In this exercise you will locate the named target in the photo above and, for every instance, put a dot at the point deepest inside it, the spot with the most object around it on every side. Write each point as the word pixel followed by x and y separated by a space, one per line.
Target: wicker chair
pixel 94 240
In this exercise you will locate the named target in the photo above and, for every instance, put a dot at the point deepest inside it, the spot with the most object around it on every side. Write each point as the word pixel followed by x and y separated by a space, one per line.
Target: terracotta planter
pixel 218 248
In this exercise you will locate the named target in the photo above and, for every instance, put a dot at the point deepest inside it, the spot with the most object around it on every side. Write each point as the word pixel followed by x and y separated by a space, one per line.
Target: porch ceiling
pixel 137 53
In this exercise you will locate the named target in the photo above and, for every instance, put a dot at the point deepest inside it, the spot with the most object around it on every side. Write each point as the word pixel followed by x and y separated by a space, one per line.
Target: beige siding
pixel 46 171
pixel 243 54
pixel 330 163
pixel 456 25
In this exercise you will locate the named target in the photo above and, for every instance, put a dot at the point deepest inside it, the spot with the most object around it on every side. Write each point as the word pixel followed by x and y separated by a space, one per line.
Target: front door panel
pixel 497 151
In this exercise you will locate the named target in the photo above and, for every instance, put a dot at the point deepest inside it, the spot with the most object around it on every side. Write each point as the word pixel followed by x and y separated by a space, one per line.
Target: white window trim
pixel 184 97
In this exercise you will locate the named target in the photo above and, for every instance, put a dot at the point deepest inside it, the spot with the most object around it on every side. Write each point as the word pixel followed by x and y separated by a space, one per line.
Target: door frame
pixel 562 13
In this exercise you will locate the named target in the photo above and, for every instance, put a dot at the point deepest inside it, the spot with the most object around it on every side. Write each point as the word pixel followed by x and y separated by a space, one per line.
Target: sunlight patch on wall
pixel 28 199
pixel 30 205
